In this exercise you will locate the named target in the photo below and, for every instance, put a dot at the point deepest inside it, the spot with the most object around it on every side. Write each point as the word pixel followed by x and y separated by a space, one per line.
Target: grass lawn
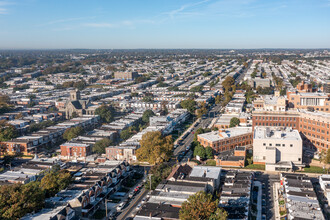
pixel 255 167
pixel 210 163
pixel 313 169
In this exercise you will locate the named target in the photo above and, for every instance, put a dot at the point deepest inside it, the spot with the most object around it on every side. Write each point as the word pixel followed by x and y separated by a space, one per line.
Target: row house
pixel 28 145
pixel 105 182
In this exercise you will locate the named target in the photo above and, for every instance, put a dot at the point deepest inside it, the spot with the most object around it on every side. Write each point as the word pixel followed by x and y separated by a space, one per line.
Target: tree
pixel 217 99
pixel 155 148
pixel 7 131
pixel 234 122
pixel 209 152
pixel 202 110
pixel 105 112
pixel 125 134
pixel 323 156
pixel 146 115
pixel 17 200
pixel 201 206
pixel 328 157
pixel 189 104
pixel 99 146
pixel 199 151
pixel 196 89
pixel 74 132
pixel 228 83
pixel 55 181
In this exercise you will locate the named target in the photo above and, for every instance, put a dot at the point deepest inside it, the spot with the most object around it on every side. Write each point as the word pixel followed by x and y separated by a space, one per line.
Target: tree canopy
pixel 201 206
pixel 7 131
pixel 234 122
pixel 99 146
pixel 155 148
pixel 17 200
pixel 228 83
pixel 189 104
pixel 146 115
pixel 73 132
pixel 105 112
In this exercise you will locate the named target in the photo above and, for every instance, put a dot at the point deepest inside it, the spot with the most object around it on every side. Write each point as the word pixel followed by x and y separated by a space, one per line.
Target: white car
pixel 139 206
pixel 120 206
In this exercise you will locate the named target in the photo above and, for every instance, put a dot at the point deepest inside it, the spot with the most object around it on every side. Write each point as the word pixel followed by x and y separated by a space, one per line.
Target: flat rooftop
pixel 276 133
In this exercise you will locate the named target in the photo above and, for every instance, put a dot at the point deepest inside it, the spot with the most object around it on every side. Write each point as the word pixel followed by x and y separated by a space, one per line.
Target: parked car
pixel 139 206
pixel 120 206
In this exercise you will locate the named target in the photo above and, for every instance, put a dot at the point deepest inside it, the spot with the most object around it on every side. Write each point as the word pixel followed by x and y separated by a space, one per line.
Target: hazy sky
pixel 26 24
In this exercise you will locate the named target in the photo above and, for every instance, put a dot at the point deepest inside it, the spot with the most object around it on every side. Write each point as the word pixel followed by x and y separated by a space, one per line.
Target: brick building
pixel 24 147
pixel 315 128
pixel 276 118
pixel 226 139
pixel 75 150
pixel 237 160
pixel 309 100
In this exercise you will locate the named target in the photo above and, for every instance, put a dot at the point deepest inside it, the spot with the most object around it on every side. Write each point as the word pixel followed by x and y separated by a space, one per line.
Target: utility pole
pixel 106 208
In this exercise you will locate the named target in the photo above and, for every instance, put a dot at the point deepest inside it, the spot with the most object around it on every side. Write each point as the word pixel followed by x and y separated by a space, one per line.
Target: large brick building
pixel 226 139
pixel 276 118
pixel 309 100
pixel 313 126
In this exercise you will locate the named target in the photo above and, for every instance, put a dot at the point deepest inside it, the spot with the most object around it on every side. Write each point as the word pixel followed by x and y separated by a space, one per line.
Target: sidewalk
pixel 276 207
pixel 259 205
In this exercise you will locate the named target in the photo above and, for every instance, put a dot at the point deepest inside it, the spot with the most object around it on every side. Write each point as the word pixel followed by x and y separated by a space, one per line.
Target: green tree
pixel 189 104
pixel 146 115
pixel 105 112
pixel 7 131
pixel 234 122
pixel 196 89
pixel 99 146
pixel 201 206
pixel 155 148
pixel 209 152
pixel 125 134
pixel 200 151
pixel 80 85
pixel 73 132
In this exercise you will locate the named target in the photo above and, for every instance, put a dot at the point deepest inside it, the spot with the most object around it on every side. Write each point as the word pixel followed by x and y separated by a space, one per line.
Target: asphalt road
pixel 268 180
pixel 132 205
pixel 213 113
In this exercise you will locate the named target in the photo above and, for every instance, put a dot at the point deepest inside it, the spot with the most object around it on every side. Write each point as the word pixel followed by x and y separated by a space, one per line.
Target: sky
pixel 131 24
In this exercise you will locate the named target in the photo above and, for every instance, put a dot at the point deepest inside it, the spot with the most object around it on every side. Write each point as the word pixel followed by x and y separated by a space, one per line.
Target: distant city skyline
pixel 173 24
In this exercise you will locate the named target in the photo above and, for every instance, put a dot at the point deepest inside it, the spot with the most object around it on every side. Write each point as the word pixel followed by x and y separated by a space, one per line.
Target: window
pixel 278 145
pixel 264 157
pixel 264 144
pixel 270 144
pixel 299 159
pixel 291 145
pixel 283 145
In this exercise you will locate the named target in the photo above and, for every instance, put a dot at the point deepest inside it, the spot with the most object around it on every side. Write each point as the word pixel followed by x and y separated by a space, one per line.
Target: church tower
pixel 75 95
